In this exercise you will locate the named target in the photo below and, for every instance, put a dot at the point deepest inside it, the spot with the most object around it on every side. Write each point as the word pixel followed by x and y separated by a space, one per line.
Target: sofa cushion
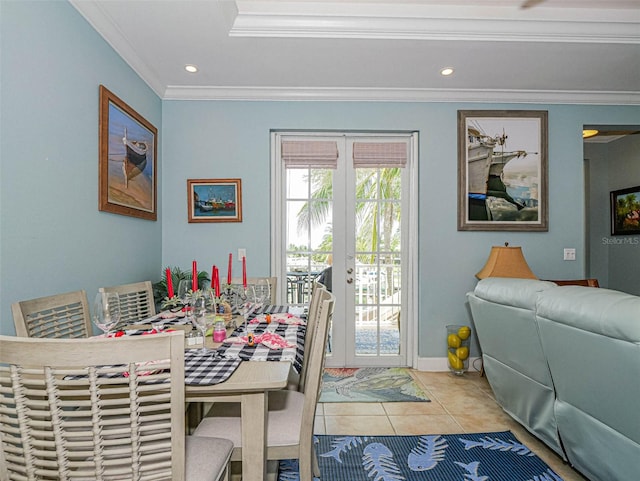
pixel 603 311
pixel 512 292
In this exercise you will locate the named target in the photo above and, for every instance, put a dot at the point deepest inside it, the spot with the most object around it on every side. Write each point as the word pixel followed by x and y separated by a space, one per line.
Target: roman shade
pixel 379 154
pixel 304 154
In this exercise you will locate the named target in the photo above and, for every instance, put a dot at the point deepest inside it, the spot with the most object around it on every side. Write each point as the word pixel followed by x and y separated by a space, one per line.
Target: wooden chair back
pixel 93 408
pixel 136 301
pixel 58 317
pixel 273 285
pixel 312 383
pixel 319 294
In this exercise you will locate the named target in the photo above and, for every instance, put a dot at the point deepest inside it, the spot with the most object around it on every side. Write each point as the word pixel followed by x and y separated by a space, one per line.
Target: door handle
pixel 349 270
pixel 350 280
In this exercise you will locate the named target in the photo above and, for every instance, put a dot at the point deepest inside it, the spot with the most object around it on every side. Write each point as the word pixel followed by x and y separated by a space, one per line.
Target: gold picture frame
pixel 214 200
pixel 128 146
pixel 502 170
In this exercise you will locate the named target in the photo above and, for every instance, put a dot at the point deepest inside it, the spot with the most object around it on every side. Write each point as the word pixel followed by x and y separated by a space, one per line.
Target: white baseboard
pixel 439 364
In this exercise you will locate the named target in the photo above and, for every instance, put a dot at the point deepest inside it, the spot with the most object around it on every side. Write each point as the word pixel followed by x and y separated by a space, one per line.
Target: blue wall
pixel 53 239
pixel 213 139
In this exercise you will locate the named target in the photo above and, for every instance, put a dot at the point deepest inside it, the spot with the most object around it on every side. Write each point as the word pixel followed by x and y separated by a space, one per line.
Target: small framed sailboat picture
pixel 128 163
pixel 214 200
pixel 502 170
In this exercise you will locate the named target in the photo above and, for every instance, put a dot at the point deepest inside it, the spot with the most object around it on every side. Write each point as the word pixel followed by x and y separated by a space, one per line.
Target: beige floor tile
pixel 408 408
pixel 318 425
pixel 358 425
pixel 353 409
pixel 425 424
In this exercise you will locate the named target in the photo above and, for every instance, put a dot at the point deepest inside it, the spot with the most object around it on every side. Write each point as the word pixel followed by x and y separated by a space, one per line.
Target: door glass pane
pixel 309 230
pixel 378 268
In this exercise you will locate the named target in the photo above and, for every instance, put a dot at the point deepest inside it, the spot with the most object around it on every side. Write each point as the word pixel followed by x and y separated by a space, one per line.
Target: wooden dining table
pixel 248 385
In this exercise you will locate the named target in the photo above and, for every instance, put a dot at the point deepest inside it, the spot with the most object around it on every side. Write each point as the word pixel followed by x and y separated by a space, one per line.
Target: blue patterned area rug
pixel 450 457
pixel 370 384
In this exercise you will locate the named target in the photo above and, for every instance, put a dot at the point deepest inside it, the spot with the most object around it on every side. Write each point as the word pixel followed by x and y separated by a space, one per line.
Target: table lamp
pixel 506 262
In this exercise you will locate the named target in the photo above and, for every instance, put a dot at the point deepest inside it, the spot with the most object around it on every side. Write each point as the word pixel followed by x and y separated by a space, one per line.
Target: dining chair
pixel 100 408
pixel 273 284
pixel 136 301
pixel 59 316
pixel 291 414
pixel 319 293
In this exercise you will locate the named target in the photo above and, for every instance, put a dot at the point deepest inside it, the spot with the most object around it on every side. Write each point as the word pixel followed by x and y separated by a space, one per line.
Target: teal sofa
pixel 564 361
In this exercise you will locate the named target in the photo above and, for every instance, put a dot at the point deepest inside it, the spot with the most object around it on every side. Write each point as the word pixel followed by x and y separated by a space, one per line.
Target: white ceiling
pixel 555 51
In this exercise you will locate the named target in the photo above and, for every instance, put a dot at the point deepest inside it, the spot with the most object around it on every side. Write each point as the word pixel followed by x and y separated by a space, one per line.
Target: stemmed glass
pixel 106 311
pixel 244 299
pixel 184 294
pixel 262 289
pixel 200 319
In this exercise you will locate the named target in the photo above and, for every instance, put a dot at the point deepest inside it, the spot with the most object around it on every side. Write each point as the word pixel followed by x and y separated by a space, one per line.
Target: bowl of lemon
pixel 458 340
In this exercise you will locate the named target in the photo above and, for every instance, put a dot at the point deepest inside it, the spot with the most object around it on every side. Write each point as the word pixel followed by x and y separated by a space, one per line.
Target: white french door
pixel 344 212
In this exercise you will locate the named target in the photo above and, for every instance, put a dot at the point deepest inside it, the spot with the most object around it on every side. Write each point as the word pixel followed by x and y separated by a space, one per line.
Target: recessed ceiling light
pixel 191 68
pixel 589 133
pixel 446 71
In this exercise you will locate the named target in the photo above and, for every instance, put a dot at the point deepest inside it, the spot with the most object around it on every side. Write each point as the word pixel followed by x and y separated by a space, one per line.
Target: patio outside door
pixel 345 209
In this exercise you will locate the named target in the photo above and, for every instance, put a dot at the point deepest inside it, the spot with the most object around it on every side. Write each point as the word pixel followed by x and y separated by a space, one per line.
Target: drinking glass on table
pixel 106 311
pixel 262 289
pixel 184 294
pixel 244 298
pixel 200 319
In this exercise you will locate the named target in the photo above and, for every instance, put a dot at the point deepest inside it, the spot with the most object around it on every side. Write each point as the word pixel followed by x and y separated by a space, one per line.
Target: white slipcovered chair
pixel 291 414
pixel 100 408
pixel 59 316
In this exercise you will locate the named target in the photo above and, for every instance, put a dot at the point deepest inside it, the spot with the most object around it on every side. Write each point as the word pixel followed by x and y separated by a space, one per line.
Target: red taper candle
pixel 194 277
pixel 230 268
pixel 244 272
pixel 169 284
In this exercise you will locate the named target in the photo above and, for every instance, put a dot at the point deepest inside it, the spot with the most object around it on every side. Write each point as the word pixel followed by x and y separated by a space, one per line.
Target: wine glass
pixel 106 311
pixel 184 290
pixel 200 319
pixel 262 290
pixel 244 299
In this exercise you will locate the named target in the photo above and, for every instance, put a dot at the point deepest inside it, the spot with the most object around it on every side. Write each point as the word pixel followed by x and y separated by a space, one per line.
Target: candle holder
pixel 171 303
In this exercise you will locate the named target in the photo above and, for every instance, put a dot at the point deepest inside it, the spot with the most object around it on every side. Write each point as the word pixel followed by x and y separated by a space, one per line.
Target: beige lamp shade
pixel 506 262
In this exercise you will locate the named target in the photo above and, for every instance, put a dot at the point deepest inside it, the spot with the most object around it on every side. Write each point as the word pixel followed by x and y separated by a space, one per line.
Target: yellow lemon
pixel 453 340
pixel 462 352
pixel 455 362
pixel 464 332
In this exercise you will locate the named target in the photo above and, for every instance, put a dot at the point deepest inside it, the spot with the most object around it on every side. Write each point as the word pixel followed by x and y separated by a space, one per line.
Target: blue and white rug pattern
pixel 453 457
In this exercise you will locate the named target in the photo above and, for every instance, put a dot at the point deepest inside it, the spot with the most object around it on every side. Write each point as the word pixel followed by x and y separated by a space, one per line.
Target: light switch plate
pixel 241 253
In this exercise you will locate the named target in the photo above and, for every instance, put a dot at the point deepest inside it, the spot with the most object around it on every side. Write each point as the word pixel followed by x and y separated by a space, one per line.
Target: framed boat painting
pixel 128 160
pixel 502 170
pixel 214 200
pixel 625 211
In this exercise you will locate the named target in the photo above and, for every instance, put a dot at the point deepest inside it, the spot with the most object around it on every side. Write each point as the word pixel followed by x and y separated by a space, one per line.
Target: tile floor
pixel 462 404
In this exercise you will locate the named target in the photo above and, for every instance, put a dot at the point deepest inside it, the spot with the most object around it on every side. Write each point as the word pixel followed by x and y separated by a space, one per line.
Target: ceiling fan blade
pixel 530 3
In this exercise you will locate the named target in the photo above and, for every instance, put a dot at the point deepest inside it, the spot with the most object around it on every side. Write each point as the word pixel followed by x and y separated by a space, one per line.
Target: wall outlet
pixel 569 254
pixel 241 253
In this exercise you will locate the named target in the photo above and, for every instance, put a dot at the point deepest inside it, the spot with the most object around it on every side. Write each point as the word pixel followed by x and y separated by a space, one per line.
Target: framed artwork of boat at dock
pixel 128 160
pixel 214 200
pixel 502 170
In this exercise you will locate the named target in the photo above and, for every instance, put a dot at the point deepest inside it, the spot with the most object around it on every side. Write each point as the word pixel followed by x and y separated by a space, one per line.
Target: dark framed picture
pixel 128 165
pixel 625 211
pixel 502 170
pixel 214 200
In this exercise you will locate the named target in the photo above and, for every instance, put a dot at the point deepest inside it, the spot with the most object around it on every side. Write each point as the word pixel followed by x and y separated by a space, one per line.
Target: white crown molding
pixel 400 95
pixel 102 23
pixel 435 22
